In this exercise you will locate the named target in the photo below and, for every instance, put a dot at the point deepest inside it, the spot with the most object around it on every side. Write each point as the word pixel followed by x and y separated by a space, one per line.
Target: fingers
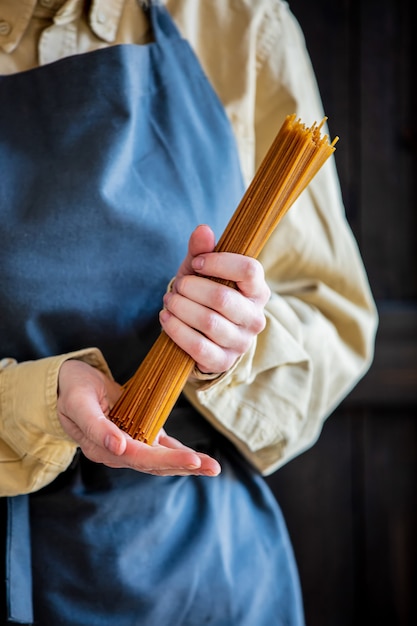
pixel 99 439
pixel 82 416
pixel 84 398
pixel 102 442
pixel 246 272
pixel 212 322
pixel 209 356
pixel 167 456
pixel 202 240
pixel 82 405
pixel 212 307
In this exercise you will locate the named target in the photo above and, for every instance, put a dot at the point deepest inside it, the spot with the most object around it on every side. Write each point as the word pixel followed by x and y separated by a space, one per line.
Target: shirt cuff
pixel 260 404
pixel 34 445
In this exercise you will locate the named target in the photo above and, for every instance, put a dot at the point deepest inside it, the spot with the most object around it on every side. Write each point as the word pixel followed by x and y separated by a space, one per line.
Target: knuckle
pixel 209 360
pixel 259 323
pixel 228 360
pixel 267 293
pixel 221 297
pixel 200 350
pixel 253 269
pixel 211 323
pixel 244 344
pixel 173 303
pixel 183 284
pixel 254 278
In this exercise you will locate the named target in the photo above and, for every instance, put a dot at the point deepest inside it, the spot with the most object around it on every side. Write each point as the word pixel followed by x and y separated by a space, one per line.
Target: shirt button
pixel 5 28
pixel 101 17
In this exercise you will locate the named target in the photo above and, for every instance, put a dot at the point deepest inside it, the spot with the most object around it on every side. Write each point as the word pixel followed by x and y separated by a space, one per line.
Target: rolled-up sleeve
pixel 321 318
pixel 34 449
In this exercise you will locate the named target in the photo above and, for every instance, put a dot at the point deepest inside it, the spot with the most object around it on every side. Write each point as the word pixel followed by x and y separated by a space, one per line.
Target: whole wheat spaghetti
pixel 295 156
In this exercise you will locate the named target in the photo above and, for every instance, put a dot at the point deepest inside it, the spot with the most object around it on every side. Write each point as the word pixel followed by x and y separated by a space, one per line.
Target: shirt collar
pixel 103 18
pixel 14 18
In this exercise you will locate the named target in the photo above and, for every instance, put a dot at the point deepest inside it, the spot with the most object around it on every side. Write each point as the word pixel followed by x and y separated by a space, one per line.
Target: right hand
pixel 85 396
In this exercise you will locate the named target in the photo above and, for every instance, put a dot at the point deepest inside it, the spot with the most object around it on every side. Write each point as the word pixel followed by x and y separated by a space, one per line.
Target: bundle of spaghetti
pixel 295 156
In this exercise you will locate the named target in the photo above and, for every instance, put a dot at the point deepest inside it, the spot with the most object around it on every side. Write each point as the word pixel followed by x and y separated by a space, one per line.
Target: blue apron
pixel 108 161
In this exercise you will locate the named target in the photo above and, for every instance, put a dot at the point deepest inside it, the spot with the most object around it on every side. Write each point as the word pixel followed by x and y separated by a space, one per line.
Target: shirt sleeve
pixel 34 448
pixel 321 318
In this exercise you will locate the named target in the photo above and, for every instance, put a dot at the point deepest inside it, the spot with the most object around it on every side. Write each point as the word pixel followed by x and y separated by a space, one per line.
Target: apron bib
pixel 108 161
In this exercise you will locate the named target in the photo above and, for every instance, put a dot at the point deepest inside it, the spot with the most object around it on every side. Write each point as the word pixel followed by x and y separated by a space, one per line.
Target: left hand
pixel 85 396
pixel 215 324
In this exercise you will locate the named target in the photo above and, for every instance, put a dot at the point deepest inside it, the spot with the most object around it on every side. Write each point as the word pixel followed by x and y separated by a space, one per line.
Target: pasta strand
pixel 295 156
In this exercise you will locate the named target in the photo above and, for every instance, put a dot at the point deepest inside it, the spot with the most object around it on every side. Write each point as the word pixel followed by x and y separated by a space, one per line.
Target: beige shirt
pixel 321 318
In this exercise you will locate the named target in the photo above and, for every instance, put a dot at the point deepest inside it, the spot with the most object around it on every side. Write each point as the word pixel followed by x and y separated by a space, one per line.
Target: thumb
pixel 201 240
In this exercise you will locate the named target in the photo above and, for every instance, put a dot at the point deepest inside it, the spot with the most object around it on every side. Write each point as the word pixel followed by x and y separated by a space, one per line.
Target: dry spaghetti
pixel 295 156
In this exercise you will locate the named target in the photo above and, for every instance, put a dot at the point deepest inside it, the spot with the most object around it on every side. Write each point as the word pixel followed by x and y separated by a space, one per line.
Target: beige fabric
pixel 321 318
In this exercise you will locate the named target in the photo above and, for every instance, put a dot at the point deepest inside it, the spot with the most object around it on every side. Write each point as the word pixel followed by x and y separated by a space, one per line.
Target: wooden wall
pixel 351 501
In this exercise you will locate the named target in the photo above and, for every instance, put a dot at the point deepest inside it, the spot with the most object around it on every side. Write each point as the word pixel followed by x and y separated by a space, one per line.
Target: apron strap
pixel 18 562
pixel 162 24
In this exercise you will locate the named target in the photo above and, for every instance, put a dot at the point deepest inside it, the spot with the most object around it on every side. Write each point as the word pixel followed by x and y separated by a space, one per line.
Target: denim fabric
pixel 108 161
pixel 111 547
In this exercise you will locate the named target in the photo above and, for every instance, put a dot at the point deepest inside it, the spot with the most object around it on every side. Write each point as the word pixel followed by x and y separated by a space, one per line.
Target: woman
pixel 115 149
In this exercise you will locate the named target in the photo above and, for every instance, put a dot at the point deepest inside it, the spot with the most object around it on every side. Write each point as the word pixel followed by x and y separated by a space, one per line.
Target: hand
pixel 214 323
pixel 84 400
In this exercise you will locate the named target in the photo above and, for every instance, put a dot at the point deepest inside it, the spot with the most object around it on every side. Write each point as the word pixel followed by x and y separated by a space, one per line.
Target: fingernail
pixel 167 297
pixel 164 315
pixel 212 472
pixel 198 262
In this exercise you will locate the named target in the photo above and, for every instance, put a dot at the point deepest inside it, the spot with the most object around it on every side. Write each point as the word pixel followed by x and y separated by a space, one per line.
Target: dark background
pixel 351 501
